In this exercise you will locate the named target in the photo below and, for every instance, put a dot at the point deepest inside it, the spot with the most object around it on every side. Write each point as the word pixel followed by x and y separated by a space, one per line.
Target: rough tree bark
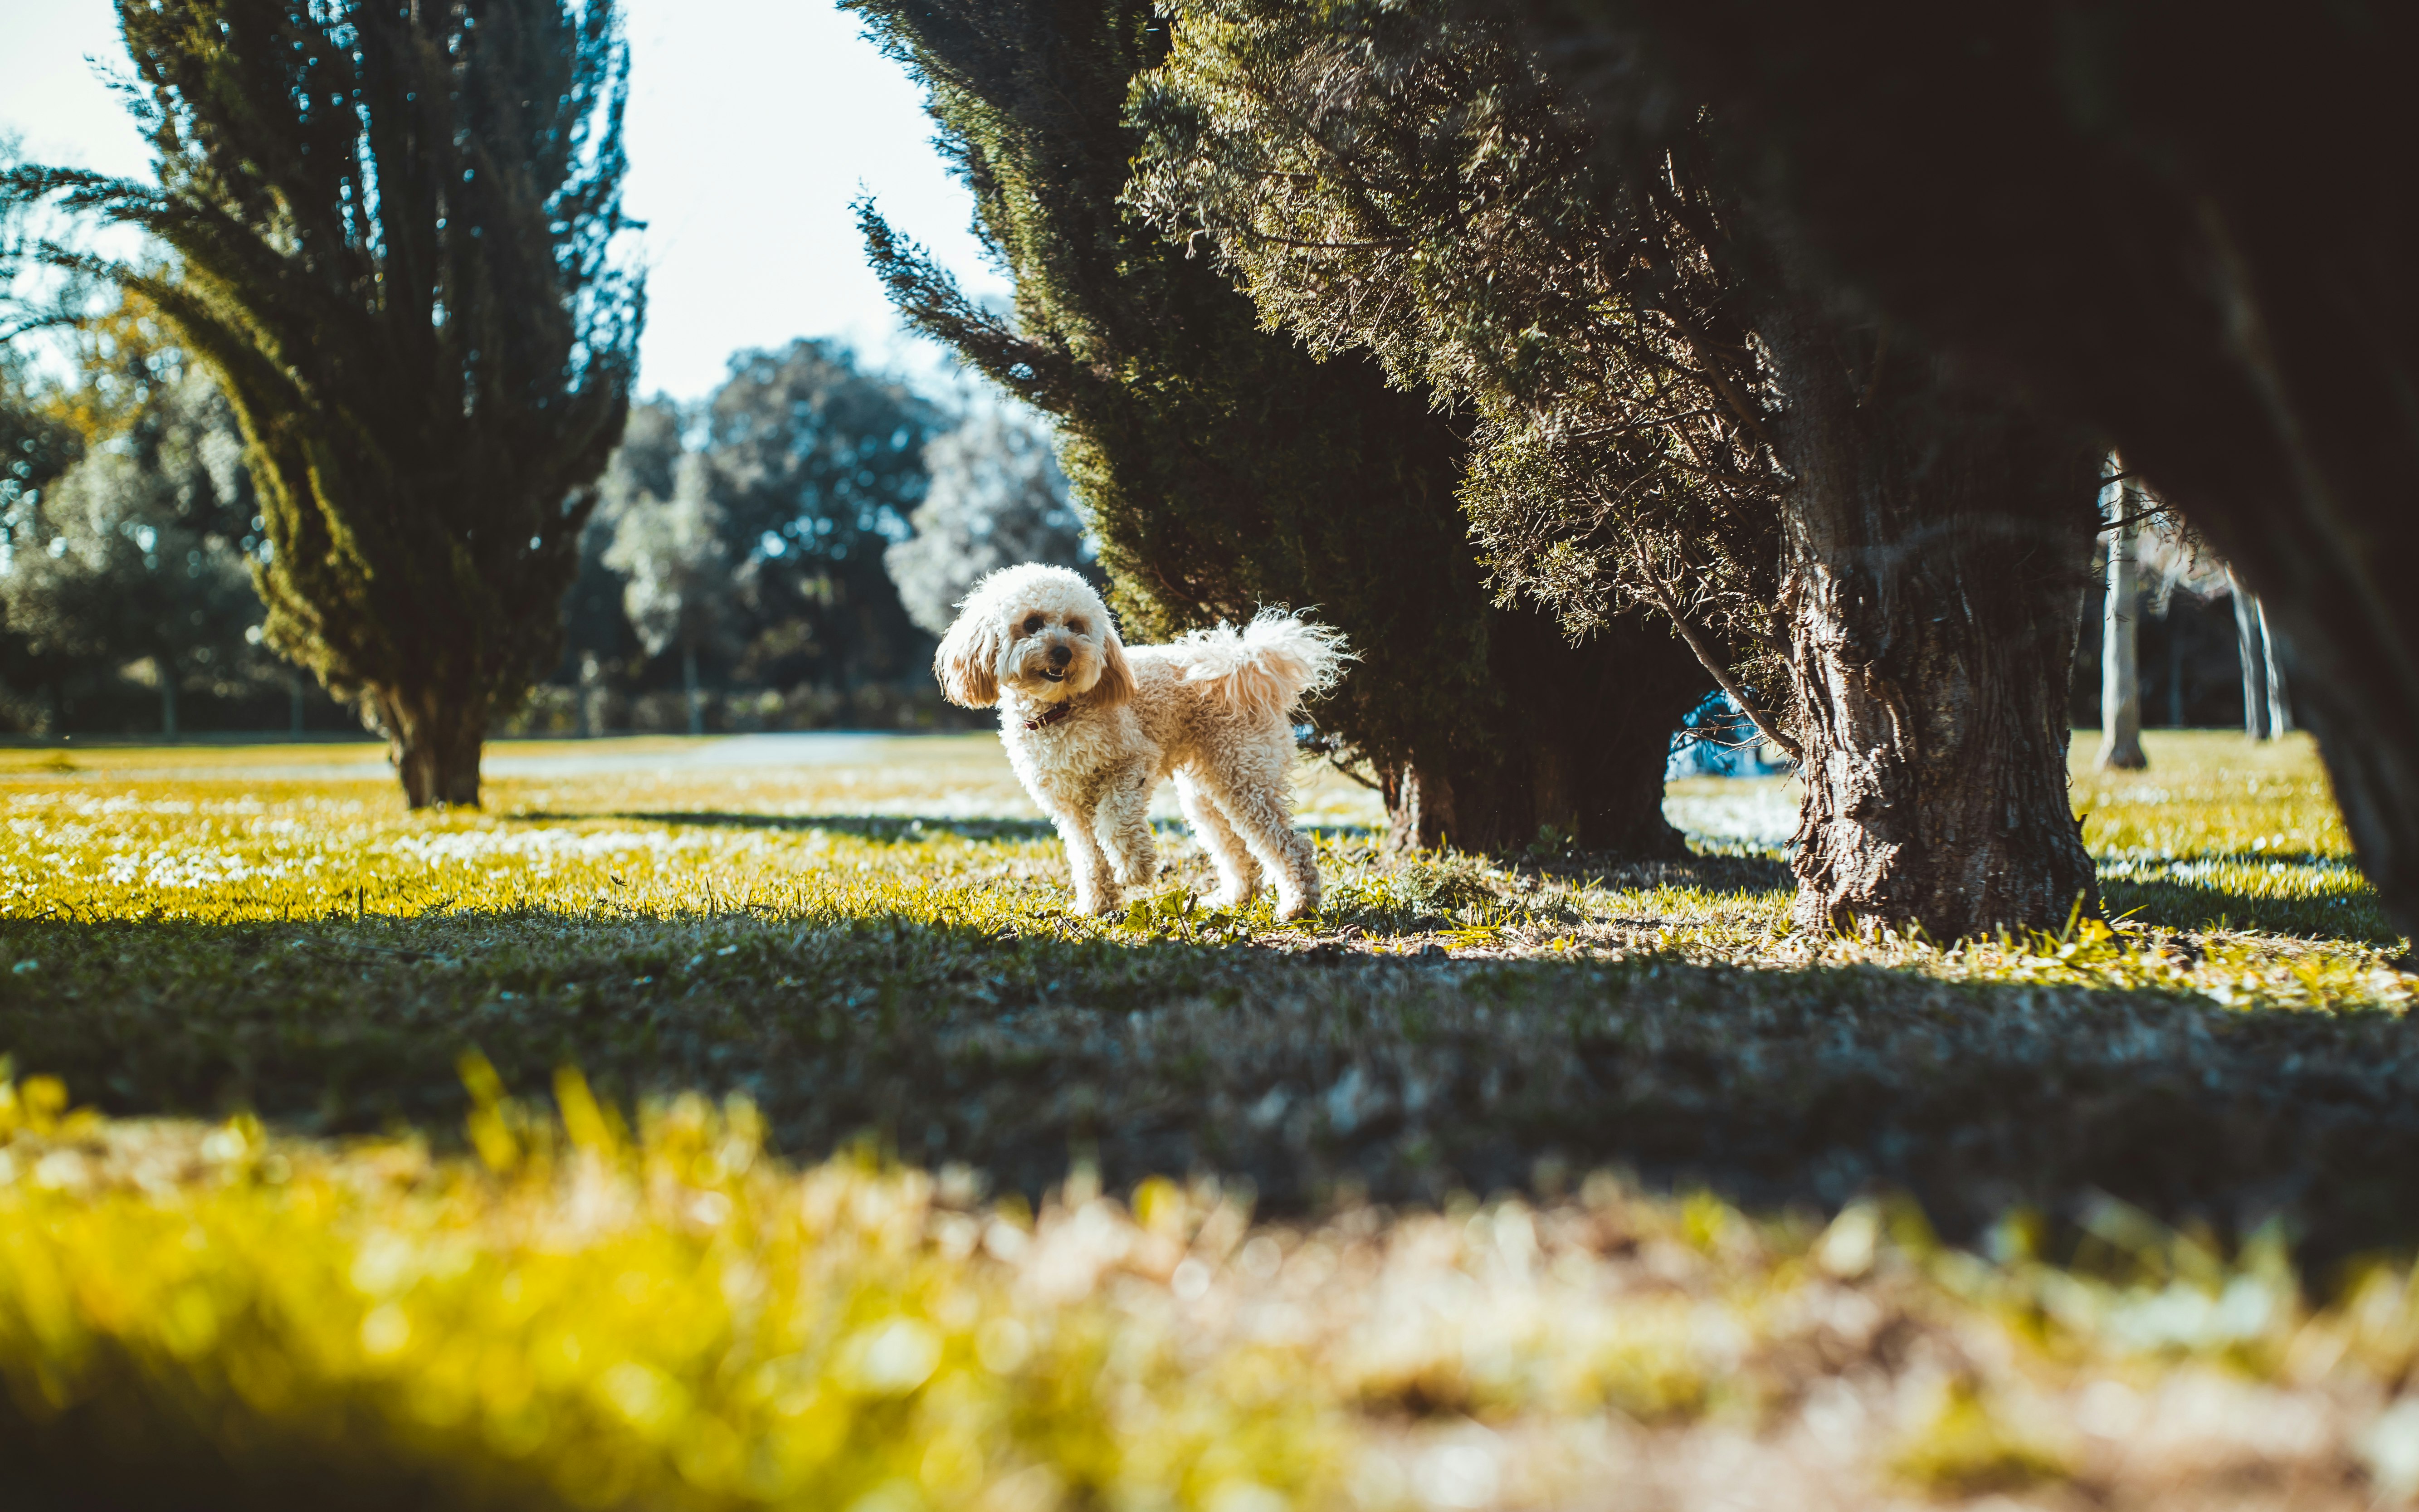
pixel 1579 741
pixel 1931 572
pixel 2121 670
pixel 433 740
pixel 2221 288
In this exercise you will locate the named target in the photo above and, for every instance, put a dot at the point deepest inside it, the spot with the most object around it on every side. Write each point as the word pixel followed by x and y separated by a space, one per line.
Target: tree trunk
pixel 591 692
pixel 167 697
pixel 1572 754
pixel 1931 572
pixel 433 743
pixel 2175 668
pixel 2280 700
pixel 695 698
pixel 294 705
pixel 2120 667
pixel 2246 650
pixel 2222 291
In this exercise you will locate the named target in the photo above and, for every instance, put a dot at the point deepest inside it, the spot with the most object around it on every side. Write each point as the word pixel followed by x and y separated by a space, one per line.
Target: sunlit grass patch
pixel 873 950
pixel 587 1314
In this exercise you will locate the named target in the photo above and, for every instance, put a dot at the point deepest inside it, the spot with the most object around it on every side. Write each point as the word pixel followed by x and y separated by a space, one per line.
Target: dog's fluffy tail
pixel 1268 666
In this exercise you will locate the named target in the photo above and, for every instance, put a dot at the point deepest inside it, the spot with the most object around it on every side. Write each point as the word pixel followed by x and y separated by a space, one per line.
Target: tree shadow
pixel 887 828
pixel 2192 896
pixel 1306 1075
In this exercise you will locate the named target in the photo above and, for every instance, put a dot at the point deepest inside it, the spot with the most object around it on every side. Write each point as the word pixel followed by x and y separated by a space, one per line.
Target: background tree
pixel 996 499
pixel 394 237
pixel 816 466
pixel 602 650
pixel 1223 468
pixel 135 554
pixel 1668 416
pixel 129 560
pixel 677 570
pixel 2121 666
pixel 2236 318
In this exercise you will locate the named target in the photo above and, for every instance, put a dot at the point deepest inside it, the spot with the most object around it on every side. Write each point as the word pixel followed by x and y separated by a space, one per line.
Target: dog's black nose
pixel 1060 655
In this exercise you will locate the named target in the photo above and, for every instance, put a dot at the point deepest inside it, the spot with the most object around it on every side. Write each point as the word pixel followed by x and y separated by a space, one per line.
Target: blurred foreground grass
pixel 862 946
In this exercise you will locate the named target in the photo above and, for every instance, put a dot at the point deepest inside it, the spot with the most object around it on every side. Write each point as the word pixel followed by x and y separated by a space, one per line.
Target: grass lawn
pixel 1503 1182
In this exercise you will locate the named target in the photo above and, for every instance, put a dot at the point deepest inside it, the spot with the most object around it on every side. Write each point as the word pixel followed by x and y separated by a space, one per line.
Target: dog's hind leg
pixel 1253 784
pixel 1238 875
pixel 1124 823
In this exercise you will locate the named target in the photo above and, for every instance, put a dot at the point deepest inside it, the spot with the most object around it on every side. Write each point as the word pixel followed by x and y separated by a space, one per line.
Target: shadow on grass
pixel 2333 900
pixel 892 828
pixel 1309 1076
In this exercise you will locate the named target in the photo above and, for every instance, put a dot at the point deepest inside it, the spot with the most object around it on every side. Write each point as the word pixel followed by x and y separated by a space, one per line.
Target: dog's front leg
pixel 1096 884
pixel 1124 822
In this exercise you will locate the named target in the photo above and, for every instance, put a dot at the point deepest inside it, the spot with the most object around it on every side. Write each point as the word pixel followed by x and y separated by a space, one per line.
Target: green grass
pixel 821 982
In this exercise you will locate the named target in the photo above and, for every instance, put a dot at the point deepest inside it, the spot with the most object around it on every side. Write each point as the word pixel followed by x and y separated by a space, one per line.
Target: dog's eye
pixel 1032 623
pixel 1075 628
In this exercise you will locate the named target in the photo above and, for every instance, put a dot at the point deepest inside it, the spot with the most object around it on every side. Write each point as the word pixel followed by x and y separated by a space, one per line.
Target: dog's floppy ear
pixel 1116 684
pixel 968 663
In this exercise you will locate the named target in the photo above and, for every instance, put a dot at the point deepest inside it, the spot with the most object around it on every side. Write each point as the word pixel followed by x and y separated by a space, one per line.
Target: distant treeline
pixel 776 556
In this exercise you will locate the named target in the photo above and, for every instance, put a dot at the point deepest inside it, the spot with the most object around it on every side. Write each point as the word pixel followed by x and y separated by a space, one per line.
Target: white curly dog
pixel 1091 726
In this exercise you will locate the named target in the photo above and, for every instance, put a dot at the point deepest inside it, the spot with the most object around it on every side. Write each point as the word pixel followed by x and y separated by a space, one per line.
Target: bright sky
pixel 752 125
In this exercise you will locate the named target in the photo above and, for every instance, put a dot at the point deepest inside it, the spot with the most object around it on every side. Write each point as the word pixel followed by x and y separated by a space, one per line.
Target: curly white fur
pixel 1091 726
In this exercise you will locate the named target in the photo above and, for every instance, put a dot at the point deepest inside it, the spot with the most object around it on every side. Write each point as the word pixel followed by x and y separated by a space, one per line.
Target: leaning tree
pixel 1224 468
pixel 396 235
pixel 1886 571
pixel 2191 228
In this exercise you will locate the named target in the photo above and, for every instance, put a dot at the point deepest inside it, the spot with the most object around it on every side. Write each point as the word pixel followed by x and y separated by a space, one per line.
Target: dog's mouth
pixel 1051 675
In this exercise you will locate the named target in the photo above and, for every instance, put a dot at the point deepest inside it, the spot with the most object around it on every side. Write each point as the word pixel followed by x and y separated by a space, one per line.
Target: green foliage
pixel 140 553
pixel 1223 468
pixel 394 235
pixel 997 499
pixel 817 465
pixel 1402 179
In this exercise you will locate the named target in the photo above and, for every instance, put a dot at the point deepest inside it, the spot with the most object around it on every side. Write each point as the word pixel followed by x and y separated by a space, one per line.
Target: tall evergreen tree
pixel 1224 468
pixel 2190 228
pixel 396 235
pixel 1897 565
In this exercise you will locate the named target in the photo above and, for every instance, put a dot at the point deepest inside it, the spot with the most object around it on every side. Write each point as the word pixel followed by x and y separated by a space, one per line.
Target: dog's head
pixel 1037 630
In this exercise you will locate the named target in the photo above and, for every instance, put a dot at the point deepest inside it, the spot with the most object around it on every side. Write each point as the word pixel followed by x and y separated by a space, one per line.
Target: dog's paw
pixel 1136 873
pixel 1100 905
pixel 1232 896
pixel 1290 909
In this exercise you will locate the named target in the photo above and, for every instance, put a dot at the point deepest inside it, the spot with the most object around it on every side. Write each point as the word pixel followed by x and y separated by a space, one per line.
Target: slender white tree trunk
pixel 294 705
pixel 592 696
pixel 2280 705
pixel 696 695
pixel 2246 647
pixel 2120 668
pixel 168 699
pixel 2175 670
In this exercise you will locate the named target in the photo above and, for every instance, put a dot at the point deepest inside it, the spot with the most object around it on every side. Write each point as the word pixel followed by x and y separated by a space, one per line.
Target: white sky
pixel 752 125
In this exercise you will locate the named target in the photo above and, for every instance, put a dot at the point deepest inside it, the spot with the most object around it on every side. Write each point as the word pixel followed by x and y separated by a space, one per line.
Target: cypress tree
pixel 1668 418
pixel 1224 468
pixel 394 229
pixel 2234 312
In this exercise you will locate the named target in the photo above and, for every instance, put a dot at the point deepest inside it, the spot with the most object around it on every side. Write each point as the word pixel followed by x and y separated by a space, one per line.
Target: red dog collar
pixel 1052 714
